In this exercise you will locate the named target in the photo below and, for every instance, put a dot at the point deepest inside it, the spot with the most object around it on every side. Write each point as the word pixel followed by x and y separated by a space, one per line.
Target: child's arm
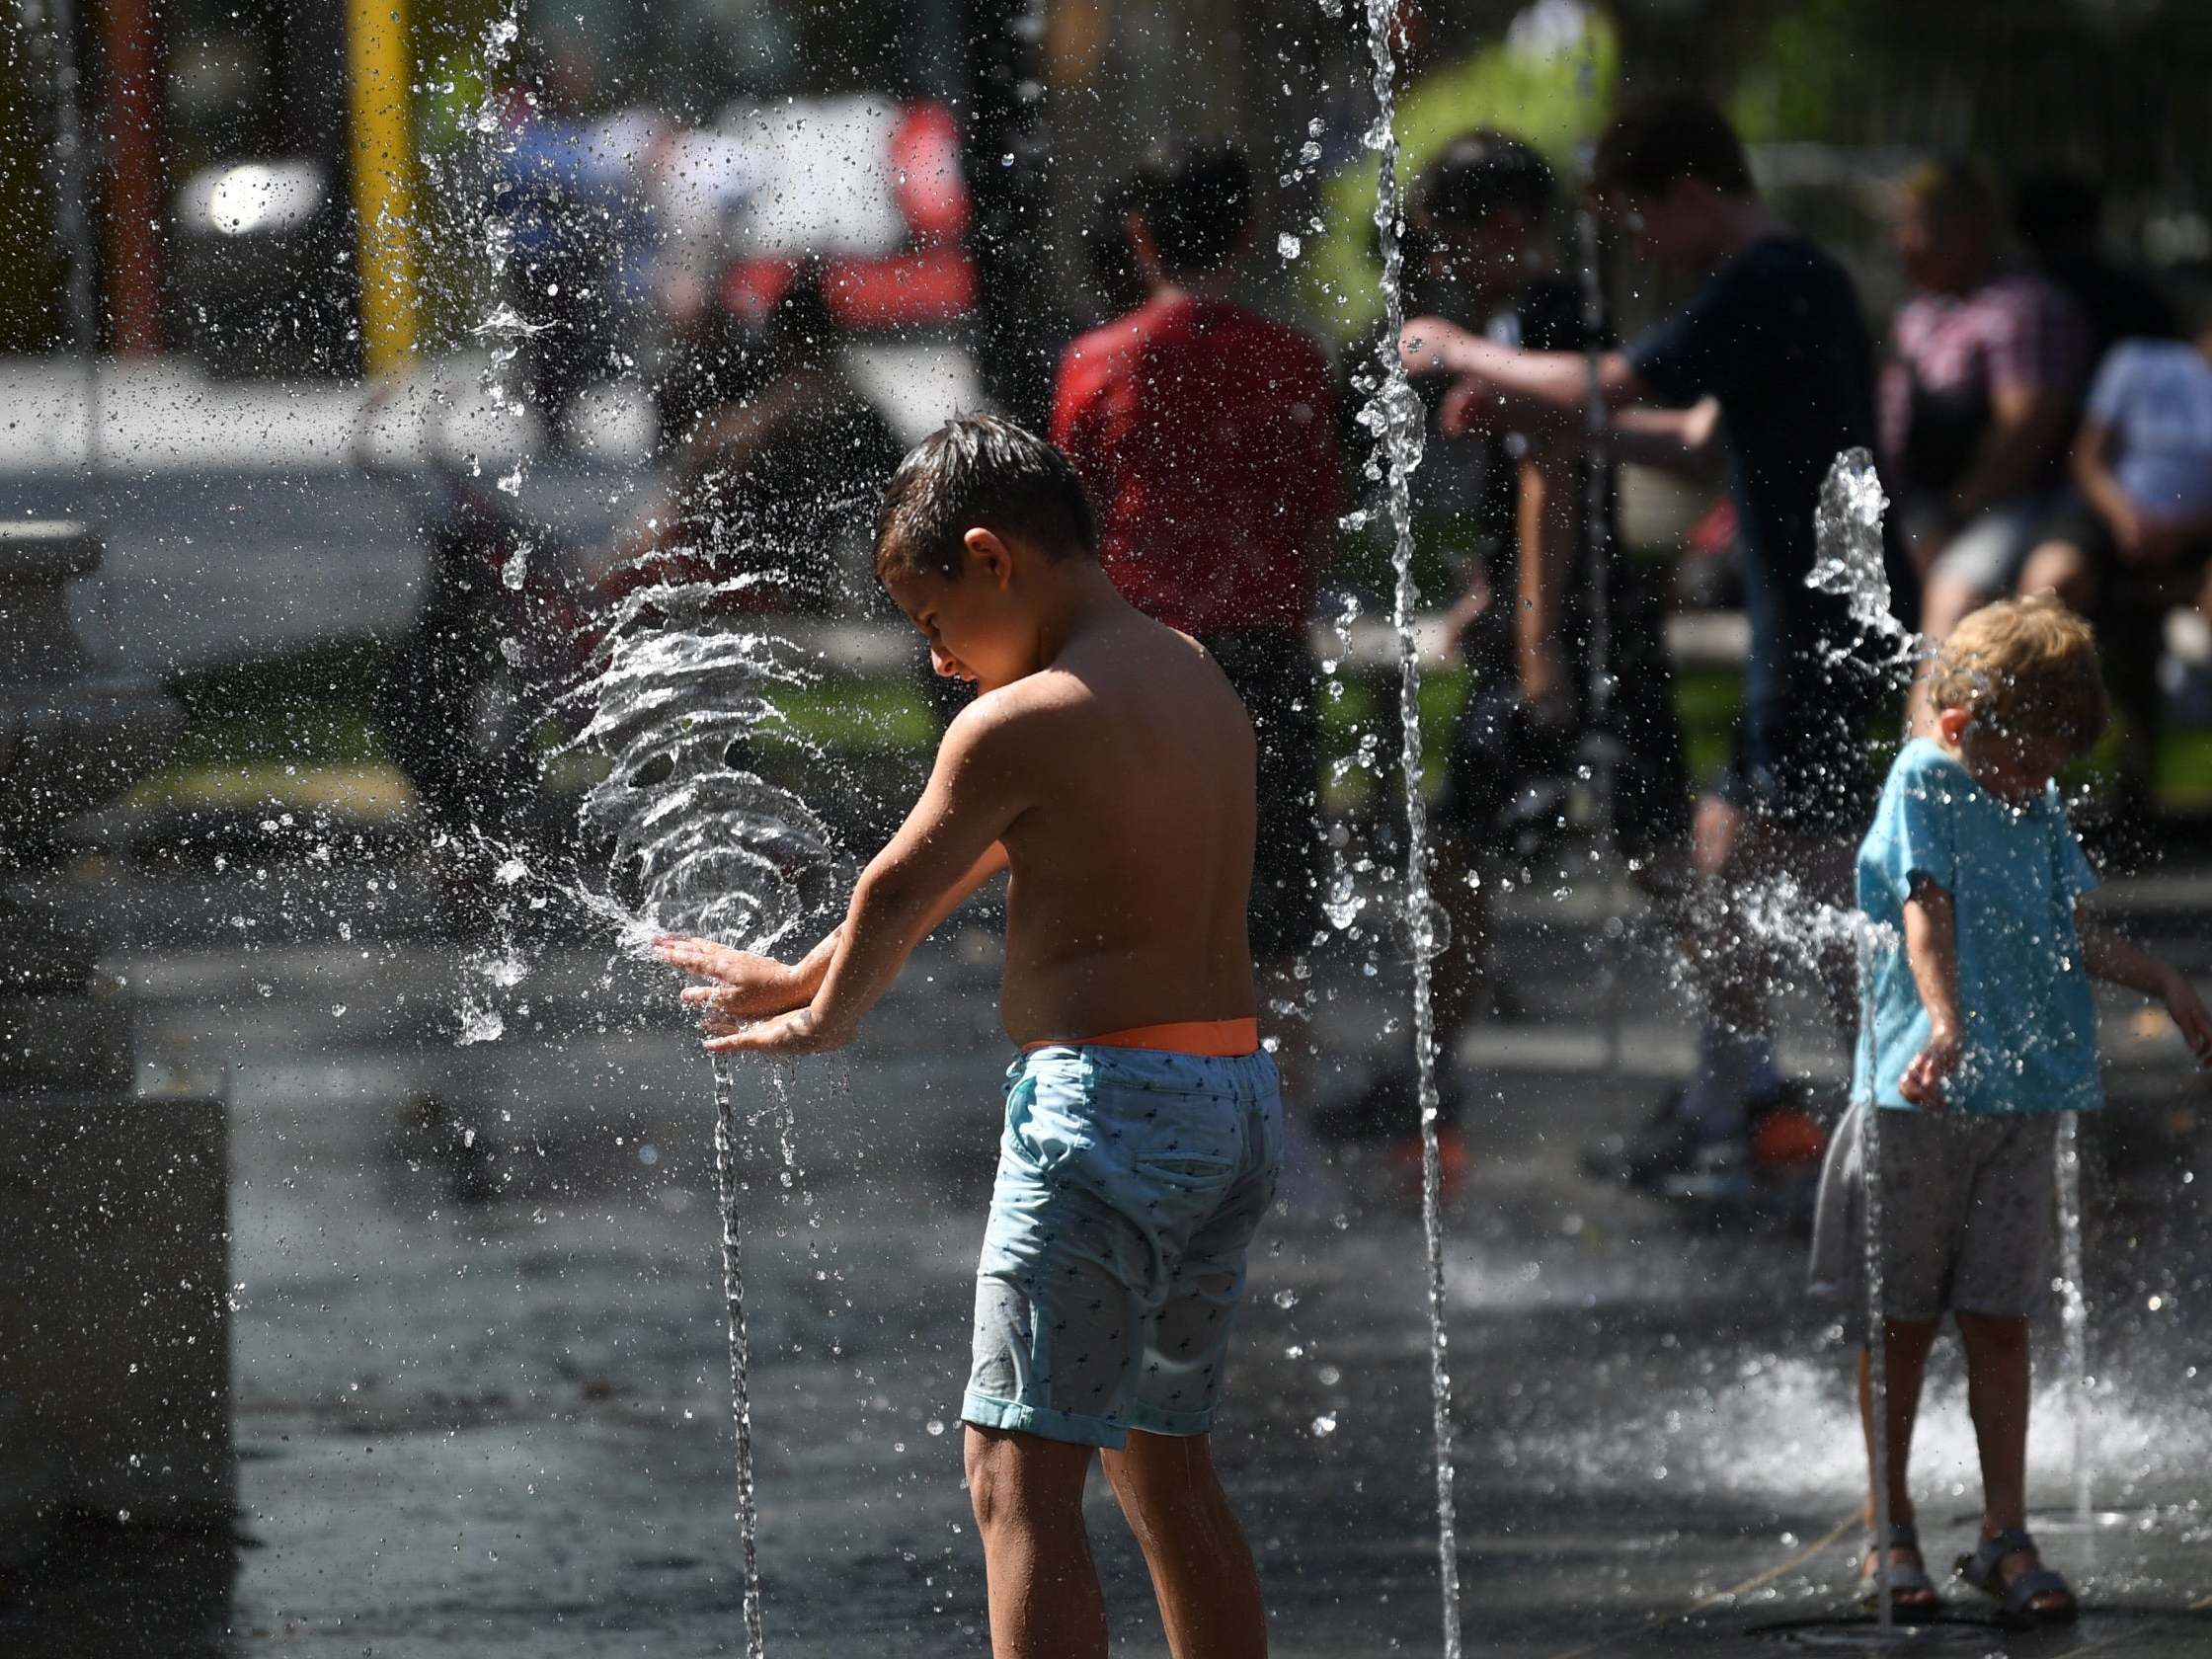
pixel 748 987
pixel 1931 950
pixel 948 845
pixel 2110 955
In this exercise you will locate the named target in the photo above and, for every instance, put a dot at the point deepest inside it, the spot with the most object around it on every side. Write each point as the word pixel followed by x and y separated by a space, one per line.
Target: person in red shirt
pixel 1205 436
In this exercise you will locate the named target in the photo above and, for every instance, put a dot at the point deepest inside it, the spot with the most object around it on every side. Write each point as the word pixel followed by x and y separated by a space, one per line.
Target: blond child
pixel 1980 1030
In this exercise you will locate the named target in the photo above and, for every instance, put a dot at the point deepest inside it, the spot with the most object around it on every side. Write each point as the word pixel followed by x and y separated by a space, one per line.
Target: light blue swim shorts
pixel 1129 1184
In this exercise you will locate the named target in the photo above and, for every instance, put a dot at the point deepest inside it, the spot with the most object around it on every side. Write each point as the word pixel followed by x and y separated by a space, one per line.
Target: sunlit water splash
pixel 682 706
pixel 1849 563
pixel 1397 420
pixel 2074 1308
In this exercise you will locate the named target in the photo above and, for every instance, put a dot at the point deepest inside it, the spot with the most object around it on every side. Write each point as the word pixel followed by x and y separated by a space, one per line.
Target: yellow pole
pixel 383 180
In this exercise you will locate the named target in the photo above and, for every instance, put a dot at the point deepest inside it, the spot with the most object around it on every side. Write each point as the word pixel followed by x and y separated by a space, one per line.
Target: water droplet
pixel 1288 246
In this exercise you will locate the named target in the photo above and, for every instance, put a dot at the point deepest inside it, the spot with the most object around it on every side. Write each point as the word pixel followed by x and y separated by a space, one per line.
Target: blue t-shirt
pixel 2014 874
pixel 2157 397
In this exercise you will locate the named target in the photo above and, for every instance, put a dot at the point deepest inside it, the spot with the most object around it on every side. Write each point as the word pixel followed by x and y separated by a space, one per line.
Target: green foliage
pixel 1811 68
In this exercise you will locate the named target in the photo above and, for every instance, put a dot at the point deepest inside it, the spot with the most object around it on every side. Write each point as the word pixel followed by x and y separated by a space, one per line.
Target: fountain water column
pixel 741 1359
pixel 1399 422
pixel 2074 1309
pixel 1603 745
pixel 1877 1338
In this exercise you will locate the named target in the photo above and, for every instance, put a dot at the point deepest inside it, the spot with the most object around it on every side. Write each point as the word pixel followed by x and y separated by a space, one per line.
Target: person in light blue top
pixel 2027 1037
pixel 1978 1029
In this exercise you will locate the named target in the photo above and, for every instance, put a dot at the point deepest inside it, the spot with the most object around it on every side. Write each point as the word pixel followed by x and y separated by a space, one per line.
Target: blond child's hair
pixel 2028 666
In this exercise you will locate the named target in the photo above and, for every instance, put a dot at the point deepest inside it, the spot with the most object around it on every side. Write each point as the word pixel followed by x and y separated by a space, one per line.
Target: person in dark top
pixel 1775 337
pixel 772 449
pixel 2059 218
pixel 1524 625
pixel 1206 437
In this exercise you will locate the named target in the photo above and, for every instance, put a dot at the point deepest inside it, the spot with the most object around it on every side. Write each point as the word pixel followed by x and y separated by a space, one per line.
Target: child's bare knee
pixel 1984 1333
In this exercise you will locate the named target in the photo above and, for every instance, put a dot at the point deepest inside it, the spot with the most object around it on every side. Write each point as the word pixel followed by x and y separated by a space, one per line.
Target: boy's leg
pixel 1906 1344
pixel 1201 1569
pixel 1997 1395
pixel 1028 1497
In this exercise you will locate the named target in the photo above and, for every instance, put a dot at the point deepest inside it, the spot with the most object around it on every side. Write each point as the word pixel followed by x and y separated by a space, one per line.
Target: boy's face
pixel 2013 767
pixel 974 627
pixel 1492 258
pixel 1672 230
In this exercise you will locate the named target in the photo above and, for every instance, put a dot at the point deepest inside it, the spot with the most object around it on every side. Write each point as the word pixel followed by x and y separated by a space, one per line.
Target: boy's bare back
pixel 1131 862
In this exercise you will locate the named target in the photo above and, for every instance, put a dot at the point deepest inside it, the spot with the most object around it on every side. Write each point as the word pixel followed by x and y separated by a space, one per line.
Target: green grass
pixel 258 726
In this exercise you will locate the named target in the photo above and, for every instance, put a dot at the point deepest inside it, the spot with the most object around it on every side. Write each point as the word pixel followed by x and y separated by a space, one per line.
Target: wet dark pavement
pixel 482 1396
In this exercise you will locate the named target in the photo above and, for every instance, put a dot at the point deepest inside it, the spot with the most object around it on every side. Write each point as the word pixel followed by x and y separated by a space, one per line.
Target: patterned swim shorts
pixel 1131 1183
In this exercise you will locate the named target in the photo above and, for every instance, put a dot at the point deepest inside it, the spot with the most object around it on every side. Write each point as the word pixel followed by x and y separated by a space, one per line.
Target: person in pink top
pixel 1205 436
pixel 1979 399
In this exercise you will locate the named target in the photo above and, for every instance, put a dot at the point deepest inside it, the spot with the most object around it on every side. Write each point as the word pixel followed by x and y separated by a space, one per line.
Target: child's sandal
pixel 1985 1571
pixel 1912 1593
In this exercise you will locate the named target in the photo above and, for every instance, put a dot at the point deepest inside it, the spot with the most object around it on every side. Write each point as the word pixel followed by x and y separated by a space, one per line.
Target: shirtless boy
pixel 1108 767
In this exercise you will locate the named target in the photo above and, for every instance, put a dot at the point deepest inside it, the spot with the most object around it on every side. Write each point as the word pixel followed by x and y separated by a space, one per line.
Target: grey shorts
pixel 1990 551
pixel 1966 1211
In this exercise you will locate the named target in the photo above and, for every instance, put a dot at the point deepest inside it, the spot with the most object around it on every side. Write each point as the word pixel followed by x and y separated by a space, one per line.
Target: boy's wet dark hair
pixel 1195 196
pixel 979 470
pixel 1481 173
pixel 1664 140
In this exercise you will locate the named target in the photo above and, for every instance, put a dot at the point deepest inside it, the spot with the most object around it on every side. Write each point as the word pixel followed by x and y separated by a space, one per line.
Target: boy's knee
pixel 1986 1334
pixel 1010 1483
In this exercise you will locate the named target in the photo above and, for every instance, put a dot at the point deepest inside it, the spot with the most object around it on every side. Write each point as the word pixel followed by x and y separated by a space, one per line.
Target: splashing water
pixel 1395 416
pixel 1877 1334
pixel 2074 1309
pixel 680 705
pixel 679 708
pixel 1848 528
pixel 741 1356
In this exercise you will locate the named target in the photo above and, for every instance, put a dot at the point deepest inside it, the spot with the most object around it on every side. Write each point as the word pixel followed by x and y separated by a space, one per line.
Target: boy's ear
pixel 1953 723
pixel 989 556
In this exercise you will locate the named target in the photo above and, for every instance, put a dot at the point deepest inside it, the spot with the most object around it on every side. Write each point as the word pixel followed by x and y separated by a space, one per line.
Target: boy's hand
pixel 1923 1082
pixel 747 987
pixel 1471 406
pixel 1426 345
pixel 2189 1014
pixel 800 1031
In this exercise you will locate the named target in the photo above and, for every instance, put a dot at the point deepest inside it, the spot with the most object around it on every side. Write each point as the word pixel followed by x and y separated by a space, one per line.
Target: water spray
pixel 680 705
pixel 1397 419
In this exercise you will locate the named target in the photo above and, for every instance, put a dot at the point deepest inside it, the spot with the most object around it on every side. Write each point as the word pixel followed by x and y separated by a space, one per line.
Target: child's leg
pixel 1028 1497
pixel 1201 1569
pixel 1996 1394
pixel 1997 1389
pixel 1906 1343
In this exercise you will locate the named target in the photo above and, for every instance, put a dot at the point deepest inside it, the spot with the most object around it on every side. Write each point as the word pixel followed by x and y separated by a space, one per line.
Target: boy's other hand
pixel 2183 1003
pixel 799 1032
pixel 1470 406
pixel 1924 1079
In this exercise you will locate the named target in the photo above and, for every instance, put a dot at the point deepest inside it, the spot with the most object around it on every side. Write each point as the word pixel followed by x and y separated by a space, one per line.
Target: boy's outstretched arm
pixel 2110 955
pixel 1508 387
pixel 1932 951
pixel 947 847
